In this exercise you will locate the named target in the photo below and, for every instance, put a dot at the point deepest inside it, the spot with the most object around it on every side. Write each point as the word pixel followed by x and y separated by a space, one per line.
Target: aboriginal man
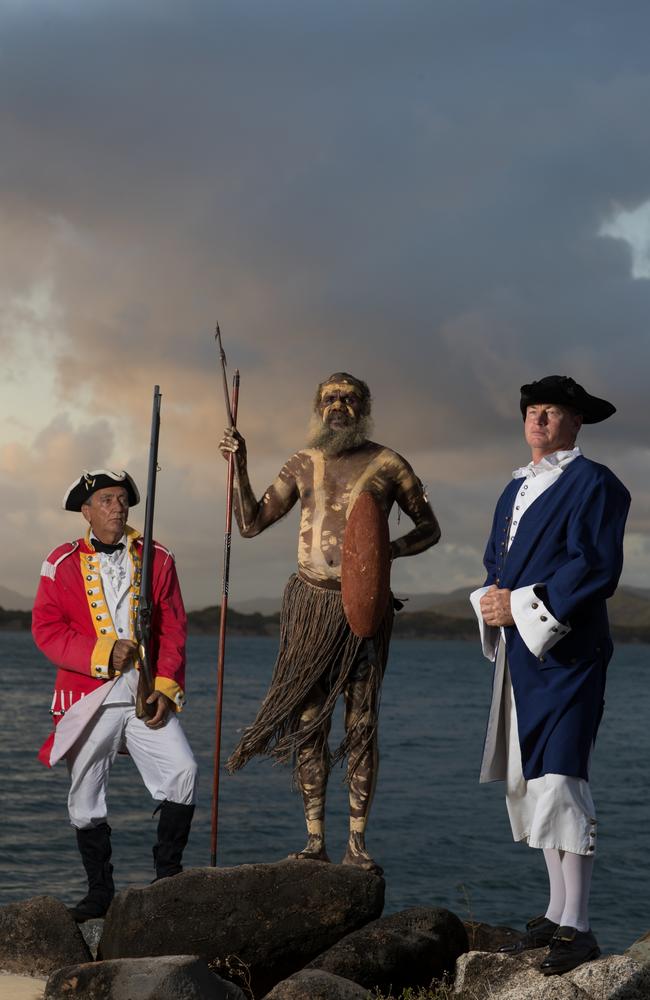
pixel 320 657
pixel 553 558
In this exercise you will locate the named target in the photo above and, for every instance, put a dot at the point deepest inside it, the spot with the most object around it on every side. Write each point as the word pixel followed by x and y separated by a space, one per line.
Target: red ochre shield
pixel 365 567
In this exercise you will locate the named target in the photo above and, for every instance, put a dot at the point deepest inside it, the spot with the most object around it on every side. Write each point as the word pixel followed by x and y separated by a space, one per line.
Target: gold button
pixel 534 605
pixel 543 618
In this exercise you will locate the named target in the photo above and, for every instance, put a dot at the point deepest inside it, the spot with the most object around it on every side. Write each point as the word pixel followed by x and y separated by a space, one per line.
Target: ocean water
pixel 443 839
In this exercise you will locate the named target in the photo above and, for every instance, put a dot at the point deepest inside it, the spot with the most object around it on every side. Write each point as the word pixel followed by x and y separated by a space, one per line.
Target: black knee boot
pixel 173 831
pixel 95 849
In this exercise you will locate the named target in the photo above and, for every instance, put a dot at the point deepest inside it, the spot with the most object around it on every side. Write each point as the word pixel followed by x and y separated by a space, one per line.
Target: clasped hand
pixel 232 443
pixel 495 607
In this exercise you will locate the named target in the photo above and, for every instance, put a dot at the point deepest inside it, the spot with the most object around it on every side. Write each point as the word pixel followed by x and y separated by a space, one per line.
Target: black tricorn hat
pixel 88 483
pixel 566 392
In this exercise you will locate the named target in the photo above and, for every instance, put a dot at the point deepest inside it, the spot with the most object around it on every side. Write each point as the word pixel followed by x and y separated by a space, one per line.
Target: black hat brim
pixel 564 391
pixel 82 489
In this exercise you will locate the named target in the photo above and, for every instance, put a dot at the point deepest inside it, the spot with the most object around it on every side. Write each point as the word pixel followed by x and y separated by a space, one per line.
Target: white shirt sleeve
pixel 489 633
pixel 535 623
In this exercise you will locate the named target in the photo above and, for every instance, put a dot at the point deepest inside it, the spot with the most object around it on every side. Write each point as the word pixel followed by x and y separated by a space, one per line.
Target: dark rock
pixel 270 920
pixel 410 948
pixel 38 936
pixel 177 977
pixel 485 937
pixel 312 984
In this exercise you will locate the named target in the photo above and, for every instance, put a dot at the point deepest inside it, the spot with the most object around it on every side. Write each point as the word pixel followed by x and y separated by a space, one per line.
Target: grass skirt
pixel 316 647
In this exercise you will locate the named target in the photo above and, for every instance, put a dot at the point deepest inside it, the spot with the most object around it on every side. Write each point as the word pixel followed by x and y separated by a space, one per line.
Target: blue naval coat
pixel 570 540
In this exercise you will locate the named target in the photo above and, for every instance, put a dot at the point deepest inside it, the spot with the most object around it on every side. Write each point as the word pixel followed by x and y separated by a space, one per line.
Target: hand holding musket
pixel 122 656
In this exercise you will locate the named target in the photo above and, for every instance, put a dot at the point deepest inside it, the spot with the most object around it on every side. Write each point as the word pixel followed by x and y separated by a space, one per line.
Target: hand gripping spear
pixel 232 473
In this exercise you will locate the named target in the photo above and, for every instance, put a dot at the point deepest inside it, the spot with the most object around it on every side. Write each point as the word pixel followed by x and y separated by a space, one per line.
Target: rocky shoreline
pixel 290 930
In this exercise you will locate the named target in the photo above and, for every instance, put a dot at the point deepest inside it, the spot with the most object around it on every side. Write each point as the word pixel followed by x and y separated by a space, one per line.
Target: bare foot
pixel 356 854
pixel 314 850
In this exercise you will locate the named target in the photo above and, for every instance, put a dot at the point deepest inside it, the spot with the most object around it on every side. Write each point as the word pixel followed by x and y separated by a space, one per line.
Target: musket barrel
pixel 145 601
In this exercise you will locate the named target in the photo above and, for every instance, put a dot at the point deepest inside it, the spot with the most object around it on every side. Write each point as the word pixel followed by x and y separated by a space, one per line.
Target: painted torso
pixel 327 488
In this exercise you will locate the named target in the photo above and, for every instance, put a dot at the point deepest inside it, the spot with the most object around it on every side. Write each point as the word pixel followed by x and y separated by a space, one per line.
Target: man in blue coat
pixel 553 558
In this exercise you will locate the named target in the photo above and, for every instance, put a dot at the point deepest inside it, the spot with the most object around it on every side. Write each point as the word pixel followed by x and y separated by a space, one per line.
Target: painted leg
pixel 312 774
pixel 363 763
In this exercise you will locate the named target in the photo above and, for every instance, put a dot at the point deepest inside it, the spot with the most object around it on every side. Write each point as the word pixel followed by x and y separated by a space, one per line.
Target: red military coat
pixel 72 626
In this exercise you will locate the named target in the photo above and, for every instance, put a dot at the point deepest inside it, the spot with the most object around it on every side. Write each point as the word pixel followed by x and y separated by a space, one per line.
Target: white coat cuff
pixel 489 633
pixel 539 629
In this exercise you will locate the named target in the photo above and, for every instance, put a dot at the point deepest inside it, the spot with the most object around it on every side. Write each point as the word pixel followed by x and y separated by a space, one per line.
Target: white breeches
pixel 163 758
pixel 556 810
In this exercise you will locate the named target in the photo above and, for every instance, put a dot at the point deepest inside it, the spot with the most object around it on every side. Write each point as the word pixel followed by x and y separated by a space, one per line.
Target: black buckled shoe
pixel 569 949
pixel 539 934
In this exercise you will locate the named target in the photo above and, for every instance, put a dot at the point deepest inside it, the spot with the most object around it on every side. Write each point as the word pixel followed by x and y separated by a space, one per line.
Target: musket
pixel 145 603
pixel 232 416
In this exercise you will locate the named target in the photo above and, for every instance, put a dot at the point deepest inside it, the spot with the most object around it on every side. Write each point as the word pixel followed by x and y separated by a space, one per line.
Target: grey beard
pixel 334 441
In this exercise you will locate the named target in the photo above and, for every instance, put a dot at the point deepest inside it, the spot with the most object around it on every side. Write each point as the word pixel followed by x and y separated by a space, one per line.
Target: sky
pixel 447 198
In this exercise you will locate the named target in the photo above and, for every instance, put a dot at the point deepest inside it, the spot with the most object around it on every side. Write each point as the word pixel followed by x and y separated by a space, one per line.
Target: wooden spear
pixel 232 418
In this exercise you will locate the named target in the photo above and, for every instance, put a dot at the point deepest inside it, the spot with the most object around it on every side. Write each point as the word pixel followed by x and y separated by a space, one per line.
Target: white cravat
pixel 537 479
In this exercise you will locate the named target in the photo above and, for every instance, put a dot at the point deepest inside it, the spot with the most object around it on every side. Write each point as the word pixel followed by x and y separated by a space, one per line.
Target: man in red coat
pixel 83 621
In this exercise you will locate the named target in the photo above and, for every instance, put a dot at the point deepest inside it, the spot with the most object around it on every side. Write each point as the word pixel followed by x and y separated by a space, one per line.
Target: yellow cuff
pixel 100 659
pixel 173 691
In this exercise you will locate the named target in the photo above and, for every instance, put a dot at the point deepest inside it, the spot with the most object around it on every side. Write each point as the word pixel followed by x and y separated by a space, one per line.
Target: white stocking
pixel 557 894
pixel 576 870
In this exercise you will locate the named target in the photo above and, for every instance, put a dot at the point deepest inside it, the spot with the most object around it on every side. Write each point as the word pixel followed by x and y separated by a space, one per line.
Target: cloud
pixel 413 194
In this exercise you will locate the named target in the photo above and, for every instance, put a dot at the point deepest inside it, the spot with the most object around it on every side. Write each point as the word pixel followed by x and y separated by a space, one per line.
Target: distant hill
pixel 261 605
pixel 439 616
pixel 426 616
pixel 15 621
pixel 629 607
pixel 207 622
pixel 12 599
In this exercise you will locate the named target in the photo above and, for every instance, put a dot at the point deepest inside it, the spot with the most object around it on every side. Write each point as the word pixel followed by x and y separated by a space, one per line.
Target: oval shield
pixel 365 567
